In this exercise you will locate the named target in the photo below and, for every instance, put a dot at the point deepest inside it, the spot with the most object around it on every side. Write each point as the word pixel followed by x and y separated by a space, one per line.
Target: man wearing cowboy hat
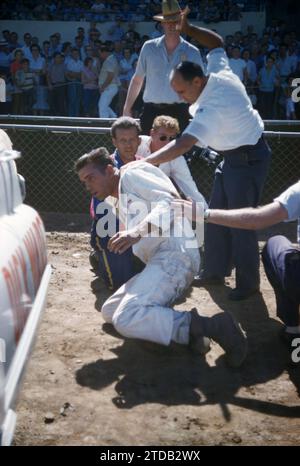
pixel 157 59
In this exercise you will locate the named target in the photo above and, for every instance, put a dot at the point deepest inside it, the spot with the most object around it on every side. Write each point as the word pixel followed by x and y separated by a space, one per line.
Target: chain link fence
pixel 49 152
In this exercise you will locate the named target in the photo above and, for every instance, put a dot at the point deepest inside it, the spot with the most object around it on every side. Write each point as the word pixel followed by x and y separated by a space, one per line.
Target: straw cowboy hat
pixel 170 11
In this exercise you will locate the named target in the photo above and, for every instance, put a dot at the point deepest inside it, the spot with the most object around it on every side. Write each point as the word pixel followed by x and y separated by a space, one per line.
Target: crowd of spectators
pixel 129 10
pixel 62 78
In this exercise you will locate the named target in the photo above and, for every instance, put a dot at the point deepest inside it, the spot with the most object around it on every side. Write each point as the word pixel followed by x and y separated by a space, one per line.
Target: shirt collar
pixel 118 161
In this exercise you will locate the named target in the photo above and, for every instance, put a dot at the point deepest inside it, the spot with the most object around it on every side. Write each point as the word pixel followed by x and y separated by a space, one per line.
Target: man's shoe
pixel 238 294
pixel 228 333
pixel 94 261
pixel 198 342
pixel 207 281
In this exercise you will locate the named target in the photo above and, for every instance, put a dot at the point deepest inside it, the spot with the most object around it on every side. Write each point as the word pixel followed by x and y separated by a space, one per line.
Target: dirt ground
pixel 86 385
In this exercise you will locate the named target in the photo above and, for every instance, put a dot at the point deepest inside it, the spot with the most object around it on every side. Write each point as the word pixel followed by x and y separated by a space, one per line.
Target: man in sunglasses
pixel 164 130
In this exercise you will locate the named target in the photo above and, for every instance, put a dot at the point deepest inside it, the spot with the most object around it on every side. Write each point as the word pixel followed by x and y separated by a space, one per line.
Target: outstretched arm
pixel 247 219
pixel 205 37
pixel 172 150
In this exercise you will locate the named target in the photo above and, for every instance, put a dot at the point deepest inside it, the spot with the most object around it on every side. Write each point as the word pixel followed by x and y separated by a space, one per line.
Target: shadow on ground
pixel 144 372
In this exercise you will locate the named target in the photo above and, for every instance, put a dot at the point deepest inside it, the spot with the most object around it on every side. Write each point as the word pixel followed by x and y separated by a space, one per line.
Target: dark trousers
pixel 282 266
pixel 58 99
pixel 238 183
pixel 265 104
pixel 151 111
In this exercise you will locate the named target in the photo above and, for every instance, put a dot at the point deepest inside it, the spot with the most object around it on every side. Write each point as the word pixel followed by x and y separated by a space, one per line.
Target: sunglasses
pixel 166 138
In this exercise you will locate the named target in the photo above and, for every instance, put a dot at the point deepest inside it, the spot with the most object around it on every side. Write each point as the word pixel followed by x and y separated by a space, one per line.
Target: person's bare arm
pixel 133 91
pixel 172 150
pixel 248 218
pixel 205 37
pixel 108 80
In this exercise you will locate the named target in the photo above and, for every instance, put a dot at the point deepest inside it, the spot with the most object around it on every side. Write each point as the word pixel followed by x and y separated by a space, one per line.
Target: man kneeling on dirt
pixel 141 307
pixel 129 146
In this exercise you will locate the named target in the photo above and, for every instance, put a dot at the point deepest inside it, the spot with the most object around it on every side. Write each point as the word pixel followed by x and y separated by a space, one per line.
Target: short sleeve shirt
pixel 156 64
pixel 290 200
pixel 223 116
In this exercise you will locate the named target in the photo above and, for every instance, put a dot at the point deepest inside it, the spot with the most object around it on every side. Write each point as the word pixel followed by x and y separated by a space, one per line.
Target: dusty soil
pixel 86 385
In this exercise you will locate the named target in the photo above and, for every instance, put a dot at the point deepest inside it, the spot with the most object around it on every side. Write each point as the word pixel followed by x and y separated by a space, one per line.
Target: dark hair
pixel 99 157
pixel 105 48
pixel 189 70
pixel 87 60
pixel 124 123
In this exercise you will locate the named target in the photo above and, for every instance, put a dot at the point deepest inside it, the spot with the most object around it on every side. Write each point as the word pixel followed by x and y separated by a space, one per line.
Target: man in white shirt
pixel 238 65
pixel 280 257
pixel 224 120
pixel 108 81
pixel 141 307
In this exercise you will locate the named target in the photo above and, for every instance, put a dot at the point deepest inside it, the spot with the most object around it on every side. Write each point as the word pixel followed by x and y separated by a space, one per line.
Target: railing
pixel 49 152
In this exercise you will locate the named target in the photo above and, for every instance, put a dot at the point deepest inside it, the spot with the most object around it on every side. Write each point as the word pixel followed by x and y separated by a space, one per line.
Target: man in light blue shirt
pixel 157 59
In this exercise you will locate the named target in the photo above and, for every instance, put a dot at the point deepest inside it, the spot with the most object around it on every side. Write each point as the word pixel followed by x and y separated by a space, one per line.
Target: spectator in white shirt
pixel 238 65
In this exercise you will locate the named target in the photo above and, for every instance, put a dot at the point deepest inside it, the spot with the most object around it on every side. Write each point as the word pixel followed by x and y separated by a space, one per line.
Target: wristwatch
pixel 206 215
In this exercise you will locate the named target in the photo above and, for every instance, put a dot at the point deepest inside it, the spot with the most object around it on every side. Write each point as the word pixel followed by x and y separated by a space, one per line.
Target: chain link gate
pixel 49 152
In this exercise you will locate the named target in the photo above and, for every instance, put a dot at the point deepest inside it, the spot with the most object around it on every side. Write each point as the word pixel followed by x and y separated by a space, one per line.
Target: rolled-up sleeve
pixel 217 60
pixel 141 64
pixel 290 200
pixel 204 126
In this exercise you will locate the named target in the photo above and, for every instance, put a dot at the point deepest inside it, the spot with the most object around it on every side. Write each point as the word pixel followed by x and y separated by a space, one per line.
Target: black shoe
pixel 238 294
pixel 207 281
pixel 198 342
pixel 94 261
pixel 228 333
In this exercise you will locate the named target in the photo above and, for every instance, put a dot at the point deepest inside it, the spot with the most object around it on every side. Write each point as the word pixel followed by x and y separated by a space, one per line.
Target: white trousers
pixel 140 308
pixel 106 97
